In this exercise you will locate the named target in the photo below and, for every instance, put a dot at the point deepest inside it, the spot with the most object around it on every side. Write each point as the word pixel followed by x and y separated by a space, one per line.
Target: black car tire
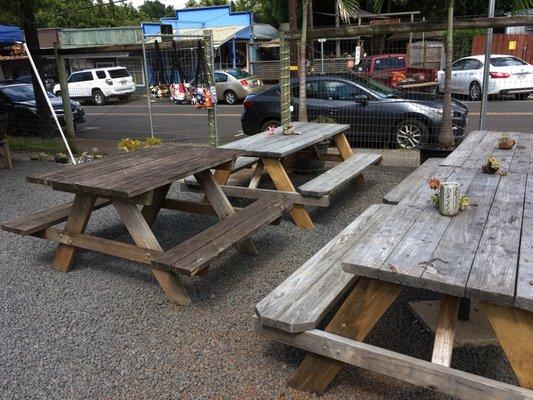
pixel 521 96
pixel 272 122
pixel 98 97
pixel 410 133
pixel 474 92
pixel 231 97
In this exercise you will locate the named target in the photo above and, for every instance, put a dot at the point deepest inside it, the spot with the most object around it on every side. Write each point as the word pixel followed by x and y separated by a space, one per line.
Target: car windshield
pixel 506 62
pixel 238 73
pixel 19 93
pixel 375 87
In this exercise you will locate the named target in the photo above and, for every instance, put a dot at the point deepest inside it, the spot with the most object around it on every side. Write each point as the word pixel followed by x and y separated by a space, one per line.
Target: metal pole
pixel 212 112
pixel 486 68
pixel 284 76
pixel 322 56
pixel 147 85
pixel 65 96
pixel 48 102
pixel 409 52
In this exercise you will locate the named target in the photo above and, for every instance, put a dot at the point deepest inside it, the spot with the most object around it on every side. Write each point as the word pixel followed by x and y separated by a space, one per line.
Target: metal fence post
pixel 284 76
pixel 212 112
pixel 147 84
pixel 486 68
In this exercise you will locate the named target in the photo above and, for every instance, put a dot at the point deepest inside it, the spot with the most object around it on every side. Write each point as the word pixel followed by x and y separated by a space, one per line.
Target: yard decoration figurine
pixel 447 197
pixel 506 142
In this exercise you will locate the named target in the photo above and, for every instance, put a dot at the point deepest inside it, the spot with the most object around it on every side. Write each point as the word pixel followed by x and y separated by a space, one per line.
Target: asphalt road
pixel 183 122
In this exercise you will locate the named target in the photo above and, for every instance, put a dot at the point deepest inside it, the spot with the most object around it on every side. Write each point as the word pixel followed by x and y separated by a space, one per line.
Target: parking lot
pixel 131 119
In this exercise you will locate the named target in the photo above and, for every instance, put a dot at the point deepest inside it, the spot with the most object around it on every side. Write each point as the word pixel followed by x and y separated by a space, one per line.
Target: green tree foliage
pixel 154 9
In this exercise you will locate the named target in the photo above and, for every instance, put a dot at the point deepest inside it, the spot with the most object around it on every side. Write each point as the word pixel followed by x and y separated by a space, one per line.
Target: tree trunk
pixel 337 24
pixel 293 26
pixel 32 40
pixel 302 104
pixel 446 138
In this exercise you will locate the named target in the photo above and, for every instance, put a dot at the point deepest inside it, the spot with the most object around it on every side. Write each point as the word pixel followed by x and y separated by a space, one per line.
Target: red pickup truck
pixel 393 71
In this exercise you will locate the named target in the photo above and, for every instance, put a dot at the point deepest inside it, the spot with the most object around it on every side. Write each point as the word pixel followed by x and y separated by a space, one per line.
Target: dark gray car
pixel 378 116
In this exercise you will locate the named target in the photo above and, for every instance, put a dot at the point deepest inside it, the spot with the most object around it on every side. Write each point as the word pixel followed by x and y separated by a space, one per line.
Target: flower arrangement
pixel 492 166
pixel 435 184
pixel 506 142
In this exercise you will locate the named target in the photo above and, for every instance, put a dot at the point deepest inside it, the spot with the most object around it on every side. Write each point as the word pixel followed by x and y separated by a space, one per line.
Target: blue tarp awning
pixel 10 34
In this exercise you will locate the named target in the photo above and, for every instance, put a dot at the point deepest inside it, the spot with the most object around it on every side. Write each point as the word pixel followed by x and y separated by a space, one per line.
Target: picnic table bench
pixel 275 153
pixel 144 178
pixel 484 253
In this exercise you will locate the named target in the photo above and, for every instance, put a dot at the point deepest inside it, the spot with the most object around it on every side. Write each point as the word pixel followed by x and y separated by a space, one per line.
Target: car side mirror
pixel 362 99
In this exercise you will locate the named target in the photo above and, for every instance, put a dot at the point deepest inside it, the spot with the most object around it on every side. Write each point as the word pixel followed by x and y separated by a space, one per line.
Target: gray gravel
pixel 106 331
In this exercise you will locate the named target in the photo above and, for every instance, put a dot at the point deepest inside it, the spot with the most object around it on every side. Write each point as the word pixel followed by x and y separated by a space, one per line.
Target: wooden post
pixel 444 336
pixel 211 112
pixel 6 154
pixel 70 131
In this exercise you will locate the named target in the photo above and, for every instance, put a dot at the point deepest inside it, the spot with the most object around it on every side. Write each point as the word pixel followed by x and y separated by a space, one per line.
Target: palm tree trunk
pixel 302 105
pixel 446 138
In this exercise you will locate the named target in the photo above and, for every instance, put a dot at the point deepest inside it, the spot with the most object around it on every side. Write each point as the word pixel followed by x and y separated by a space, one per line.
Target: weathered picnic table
pixel 144 178
pixel 484 253
pixel 275 152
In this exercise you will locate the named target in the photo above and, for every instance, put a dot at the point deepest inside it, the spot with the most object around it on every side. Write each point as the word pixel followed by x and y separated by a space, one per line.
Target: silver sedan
pixel 235 84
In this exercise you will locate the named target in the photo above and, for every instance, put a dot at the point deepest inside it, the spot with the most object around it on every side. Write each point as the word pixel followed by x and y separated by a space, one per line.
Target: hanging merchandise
pixel 204 92
pixel 179 88
pixel 159 87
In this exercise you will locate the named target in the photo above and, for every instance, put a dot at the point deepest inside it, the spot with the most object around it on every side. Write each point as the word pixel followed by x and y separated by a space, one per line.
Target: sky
pixel 174 3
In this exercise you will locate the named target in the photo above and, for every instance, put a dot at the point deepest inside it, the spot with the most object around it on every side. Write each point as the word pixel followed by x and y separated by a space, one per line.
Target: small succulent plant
pixel 504 137
pixel 492 166
pixel 505 142
pixel 128 144
pixel 151 141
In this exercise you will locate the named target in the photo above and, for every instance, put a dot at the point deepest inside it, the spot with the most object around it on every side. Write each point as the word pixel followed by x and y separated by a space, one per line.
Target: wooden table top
pixel 279 145
pixel 478 145
pixel 131 174
pixel 485 252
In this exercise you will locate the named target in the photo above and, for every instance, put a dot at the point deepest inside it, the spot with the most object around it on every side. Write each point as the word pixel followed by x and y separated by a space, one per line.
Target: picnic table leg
pixel 221 205
pixel 514 330
pixel 364 306
pixel 144 237
pixel 281 180
pixel 150 212
pixel 80 213
pixel 346 152
pixel 443 345
pixel 222 176
pixel 256 178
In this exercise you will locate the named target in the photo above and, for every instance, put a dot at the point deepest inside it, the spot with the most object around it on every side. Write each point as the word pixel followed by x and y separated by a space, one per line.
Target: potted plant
pixel 506 142
pixel 492 166
pixel 447 197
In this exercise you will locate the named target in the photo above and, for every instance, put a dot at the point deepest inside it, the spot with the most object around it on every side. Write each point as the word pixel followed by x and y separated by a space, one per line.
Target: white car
pixel 508 75
pixel 99 84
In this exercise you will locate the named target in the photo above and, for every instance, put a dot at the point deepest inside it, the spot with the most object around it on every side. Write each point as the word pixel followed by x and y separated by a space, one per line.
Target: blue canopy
pixel 10 34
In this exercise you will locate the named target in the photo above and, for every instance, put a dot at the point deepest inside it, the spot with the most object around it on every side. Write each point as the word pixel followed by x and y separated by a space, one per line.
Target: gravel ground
pixel 106 331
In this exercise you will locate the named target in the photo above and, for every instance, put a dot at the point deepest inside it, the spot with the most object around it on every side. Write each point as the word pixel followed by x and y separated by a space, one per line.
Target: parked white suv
pixel 99 84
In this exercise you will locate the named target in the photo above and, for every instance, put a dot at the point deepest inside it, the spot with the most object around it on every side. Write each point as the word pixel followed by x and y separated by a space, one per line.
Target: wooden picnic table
pixel 143 178
pixel 483 253
pixel 276 153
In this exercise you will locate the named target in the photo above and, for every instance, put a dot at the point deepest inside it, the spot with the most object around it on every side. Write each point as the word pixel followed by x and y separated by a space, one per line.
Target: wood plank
pixel 463 151
pixel 35 222
pixel 522 160
pixel 300 302
pixel 514 329
pixel 78 218
pixel 367 256
pixel 448 268
pixel 144 237
pixel 192 255
pixel 459 384
pixel 524 281
pixel 101 245
pixel 445 333
pixel 222 206
pixel 412 255
pixel 258 173
pixel 363 308
pixel 481 151
pixel 248 193
pixel 425 172
pixel 332 180
pixel 493 274
pixel 282 182
pixel 193 207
